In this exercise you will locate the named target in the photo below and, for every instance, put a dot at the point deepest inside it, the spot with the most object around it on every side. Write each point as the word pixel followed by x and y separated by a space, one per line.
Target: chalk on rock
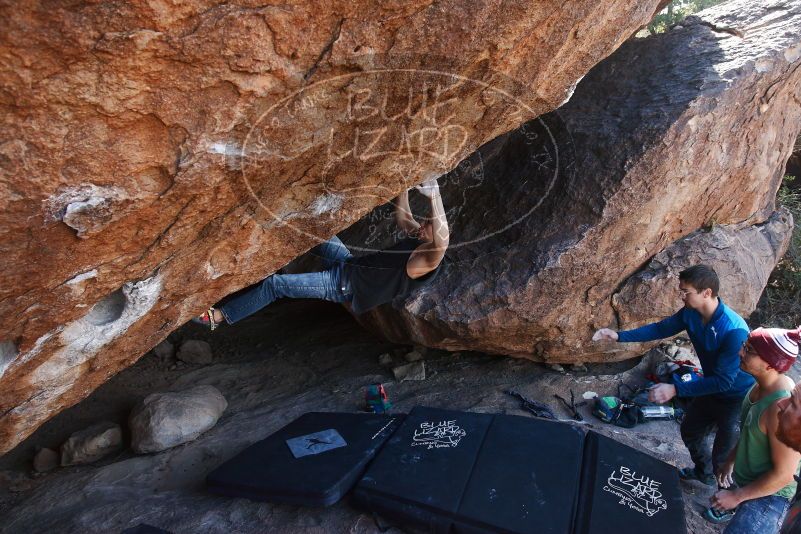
pixel 195 351
pixel 45 460
pixel 579 368
pixel 164 420
pixel 385 360
pixel 556 367
pixel 410 371
pixel 91 444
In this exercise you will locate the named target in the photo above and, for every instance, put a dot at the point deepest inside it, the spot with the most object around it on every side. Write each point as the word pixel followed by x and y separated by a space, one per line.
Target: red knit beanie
pixel 776 346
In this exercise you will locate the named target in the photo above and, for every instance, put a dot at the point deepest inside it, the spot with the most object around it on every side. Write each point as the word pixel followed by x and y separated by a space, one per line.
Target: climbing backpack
pixel 648 410
pixel 376 399
pixel 615 411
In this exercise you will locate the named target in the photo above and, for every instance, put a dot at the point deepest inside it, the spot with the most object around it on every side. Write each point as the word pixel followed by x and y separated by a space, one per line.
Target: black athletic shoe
pixel 689 473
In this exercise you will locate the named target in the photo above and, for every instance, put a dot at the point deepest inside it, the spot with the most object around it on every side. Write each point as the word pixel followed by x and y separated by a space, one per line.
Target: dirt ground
pixel 293 358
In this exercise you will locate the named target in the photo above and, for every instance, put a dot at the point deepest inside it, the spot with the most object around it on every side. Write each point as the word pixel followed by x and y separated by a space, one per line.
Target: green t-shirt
pixel 753 450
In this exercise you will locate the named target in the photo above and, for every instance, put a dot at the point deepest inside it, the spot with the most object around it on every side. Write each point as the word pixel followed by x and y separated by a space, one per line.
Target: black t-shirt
pixel 380 277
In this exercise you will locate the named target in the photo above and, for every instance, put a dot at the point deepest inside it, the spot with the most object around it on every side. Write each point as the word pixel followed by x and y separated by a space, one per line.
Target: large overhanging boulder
pixel 158 156
pixel 670 134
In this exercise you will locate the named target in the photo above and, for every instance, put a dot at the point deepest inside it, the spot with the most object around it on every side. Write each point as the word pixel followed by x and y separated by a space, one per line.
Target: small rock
pixel 400 351
pixel 385 360
pixel 556 367
pixel 410 371
pixel 164 420
pixel 195 351
pixel 173 367
pixel 579 368
pixel 45 460
pixel 671 350
pixel 414 356
pixel 164 350
pixel 91 444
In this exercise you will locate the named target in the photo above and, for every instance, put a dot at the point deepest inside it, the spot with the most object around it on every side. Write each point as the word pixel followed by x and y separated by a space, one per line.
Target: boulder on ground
pixel 410 371
pixel 45 460
pixel 164 420
pixel 413 356
pixel 385 360
pixel 91 444
pixel 164 350
pixel 195 351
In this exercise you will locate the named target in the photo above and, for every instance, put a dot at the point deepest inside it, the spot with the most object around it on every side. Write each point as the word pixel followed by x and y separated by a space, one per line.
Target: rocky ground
pixel 294 358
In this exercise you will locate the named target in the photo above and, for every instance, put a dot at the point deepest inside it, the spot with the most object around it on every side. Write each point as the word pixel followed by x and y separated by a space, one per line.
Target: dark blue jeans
pixel 330 284
pixel 705 415
pixel 759 516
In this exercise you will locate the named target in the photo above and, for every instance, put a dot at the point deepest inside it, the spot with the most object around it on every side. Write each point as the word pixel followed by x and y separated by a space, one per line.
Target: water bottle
pixel 658 412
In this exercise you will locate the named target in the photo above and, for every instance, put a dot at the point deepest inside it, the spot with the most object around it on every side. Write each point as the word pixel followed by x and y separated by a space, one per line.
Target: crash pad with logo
pixel 451 471
pixel 313 460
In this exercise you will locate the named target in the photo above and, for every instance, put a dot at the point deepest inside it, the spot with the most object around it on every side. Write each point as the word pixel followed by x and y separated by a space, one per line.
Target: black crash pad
pixel 625 490
pixel 453 471
pixel 313 461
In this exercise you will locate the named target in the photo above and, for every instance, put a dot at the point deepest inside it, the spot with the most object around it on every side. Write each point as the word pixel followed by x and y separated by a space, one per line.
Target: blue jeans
pixel 759 516
pixel 330 284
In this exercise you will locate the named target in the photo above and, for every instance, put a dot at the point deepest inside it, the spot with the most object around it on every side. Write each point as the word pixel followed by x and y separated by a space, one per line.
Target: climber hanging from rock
pixel 365 282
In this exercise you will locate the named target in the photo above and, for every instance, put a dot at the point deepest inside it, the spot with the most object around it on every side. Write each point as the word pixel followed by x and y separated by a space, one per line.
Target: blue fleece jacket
pixel 716 343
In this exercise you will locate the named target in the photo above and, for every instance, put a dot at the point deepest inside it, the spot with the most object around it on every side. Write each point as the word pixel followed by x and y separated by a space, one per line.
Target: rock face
pixel 91 444
pixel 742 257
pixel 670 134
pixel 165 420
pixel 794 163
pixel 157 157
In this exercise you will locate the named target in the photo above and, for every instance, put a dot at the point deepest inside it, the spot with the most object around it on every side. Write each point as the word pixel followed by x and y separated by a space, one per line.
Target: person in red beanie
pixel 757 477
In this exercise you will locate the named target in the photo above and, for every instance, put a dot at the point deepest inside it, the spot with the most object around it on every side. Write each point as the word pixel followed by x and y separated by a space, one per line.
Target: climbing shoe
pixel 714 516
pixel 206 319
